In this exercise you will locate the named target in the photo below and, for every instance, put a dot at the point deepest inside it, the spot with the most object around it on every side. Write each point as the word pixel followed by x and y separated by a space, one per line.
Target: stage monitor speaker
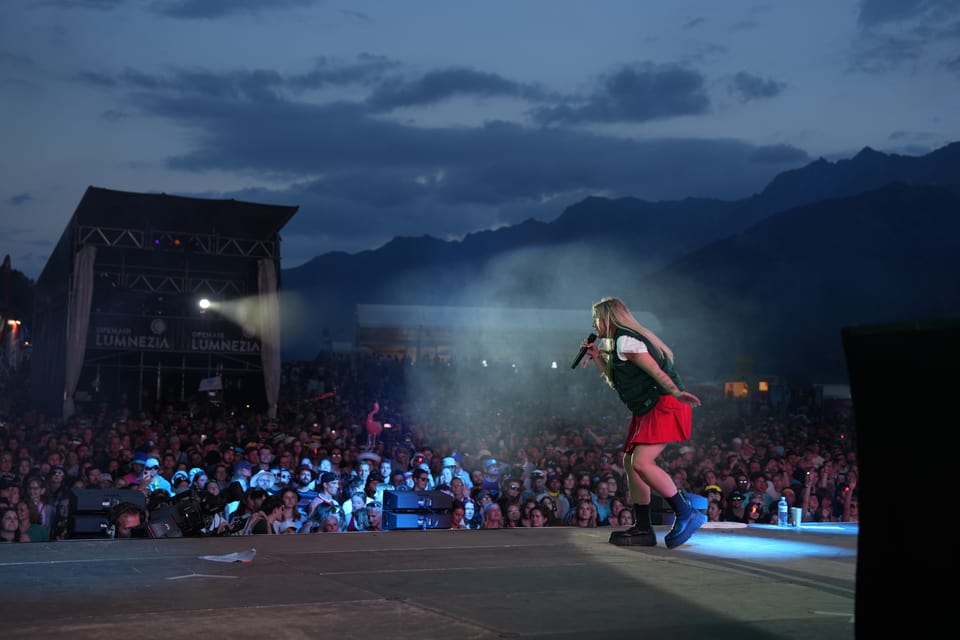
pixel 88 525
pixel 903 378
pixel 417 500
pixel 102 500
pixel 393 520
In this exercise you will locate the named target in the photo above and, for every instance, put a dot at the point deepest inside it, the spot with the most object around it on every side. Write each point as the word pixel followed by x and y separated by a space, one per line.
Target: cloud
pixel 98 5
pixel 191 9
pixel 361 179
pixel 365 70
pixel 20 198
pixel 953 64
pixel 243 84
pixel 443 84
pixel 635 94
pixel 9 59
pixel 747 87
pixel 897 33
pixel 357 15
pixel 781 155
pixel 875 13
pixel 506 175
pixel 878 53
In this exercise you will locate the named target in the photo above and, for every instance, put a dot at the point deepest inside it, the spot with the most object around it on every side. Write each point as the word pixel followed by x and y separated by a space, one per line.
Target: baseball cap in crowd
pixel 538 473
pixel 553 475
pixel 449 461
pixel 327 476
pixel 712 488
pixel 139 458
pixel 152 463
pixel 180 474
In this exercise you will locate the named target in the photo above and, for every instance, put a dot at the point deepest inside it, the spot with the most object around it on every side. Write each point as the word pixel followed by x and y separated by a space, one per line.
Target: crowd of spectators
pixel 534 451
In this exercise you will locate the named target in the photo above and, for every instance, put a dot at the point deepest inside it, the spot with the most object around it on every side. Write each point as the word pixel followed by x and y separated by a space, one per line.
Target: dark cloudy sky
pixel 388 118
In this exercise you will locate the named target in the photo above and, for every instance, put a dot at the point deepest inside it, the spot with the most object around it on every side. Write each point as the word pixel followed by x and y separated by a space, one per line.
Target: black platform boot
pixel 641 534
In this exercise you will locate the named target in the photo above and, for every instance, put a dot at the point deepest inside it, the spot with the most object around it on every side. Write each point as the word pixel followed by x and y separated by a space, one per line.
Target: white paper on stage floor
pixel 238 556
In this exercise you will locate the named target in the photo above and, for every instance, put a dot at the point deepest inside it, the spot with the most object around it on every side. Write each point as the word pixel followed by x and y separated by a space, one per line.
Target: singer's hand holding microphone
pixel 585 348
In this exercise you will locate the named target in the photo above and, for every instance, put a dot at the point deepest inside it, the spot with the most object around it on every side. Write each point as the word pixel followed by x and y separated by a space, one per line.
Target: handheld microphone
pixel 583 350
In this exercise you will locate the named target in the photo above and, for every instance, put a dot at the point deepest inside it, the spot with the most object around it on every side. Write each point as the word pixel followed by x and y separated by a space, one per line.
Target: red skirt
pixel 670 420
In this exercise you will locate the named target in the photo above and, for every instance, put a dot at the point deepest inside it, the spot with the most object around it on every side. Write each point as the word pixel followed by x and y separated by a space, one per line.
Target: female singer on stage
pixel 638 365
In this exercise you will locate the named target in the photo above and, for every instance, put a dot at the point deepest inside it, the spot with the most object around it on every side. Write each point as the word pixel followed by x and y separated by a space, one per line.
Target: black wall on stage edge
pixel 904 382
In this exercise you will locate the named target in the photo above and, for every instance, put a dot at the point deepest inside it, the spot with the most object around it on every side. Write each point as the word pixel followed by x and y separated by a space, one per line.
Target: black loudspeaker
pixel 88 525
pixel 102 500
pixel 903 381
pixel 89 515
pixel 417 501
pixel 426 520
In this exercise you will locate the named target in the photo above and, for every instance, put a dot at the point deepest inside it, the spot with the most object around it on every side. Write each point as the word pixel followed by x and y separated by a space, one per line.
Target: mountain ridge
pixel 564 263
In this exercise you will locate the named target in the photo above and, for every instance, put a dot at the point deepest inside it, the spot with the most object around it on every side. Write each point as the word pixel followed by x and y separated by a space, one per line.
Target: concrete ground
pixel 556 583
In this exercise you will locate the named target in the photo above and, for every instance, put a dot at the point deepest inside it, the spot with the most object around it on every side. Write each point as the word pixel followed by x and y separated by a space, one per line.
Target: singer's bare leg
pixel 643 476
pixel 642 468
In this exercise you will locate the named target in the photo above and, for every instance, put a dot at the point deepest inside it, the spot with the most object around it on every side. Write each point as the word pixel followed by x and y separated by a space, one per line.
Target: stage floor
pixel 751 582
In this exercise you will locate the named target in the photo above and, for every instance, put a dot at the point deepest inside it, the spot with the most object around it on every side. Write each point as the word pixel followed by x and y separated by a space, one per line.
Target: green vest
pixel 636 389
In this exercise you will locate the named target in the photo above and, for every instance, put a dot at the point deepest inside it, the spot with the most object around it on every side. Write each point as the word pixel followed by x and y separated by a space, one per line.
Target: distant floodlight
pixel 484 362
pixel 204 303
pixel 553 365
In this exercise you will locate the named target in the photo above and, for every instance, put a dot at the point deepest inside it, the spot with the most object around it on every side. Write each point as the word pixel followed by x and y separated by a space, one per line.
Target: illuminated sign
pixel 115 332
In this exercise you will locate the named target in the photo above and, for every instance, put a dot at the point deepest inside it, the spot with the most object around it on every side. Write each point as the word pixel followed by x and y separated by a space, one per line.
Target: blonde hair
pixel 609 313
pixel 592 520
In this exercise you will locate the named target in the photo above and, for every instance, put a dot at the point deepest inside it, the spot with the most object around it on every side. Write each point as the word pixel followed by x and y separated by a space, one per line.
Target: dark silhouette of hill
pixel 810 253
pixel 779 293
